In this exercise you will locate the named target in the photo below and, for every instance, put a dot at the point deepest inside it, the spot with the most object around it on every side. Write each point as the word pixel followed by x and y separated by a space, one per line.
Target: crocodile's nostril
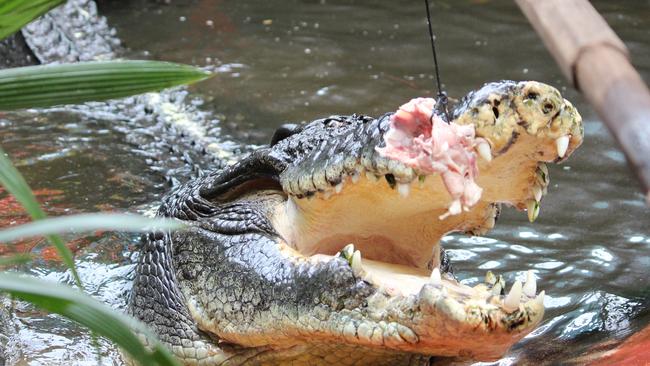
pixel 532 95
pixel 547 108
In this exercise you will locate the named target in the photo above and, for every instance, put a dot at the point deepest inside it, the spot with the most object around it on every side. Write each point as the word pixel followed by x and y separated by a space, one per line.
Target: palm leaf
pixel 14 14
pixel 48 85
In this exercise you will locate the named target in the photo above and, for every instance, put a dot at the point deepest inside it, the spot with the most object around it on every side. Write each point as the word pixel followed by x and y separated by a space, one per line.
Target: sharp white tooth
pixel 484 150
pixel 347 252
pixel 496 289
pixel 490 278
pixel 544 169
pixel 338 187
pixel 355 177
pixel 530 287
pixel 404 189
pixel 562 144
pixel 357 268
pixel 537 192
pixel 532 207
pixel 511 302
pixel 327 195
pixel 435 278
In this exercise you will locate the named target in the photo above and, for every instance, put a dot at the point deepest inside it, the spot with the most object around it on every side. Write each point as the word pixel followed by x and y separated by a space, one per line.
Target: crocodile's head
pixel 337 253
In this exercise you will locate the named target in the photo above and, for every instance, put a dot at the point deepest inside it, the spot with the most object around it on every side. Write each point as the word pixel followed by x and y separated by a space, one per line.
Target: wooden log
pixel 597 62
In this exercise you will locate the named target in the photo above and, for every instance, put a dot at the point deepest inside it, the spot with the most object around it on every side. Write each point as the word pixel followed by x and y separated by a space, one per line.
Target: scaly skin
pixel 265 274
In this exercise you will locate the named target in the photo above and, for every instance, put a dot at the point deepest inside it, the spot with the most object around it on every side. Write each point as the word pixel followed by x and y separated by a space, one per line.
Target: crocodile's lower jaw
pixel 390 237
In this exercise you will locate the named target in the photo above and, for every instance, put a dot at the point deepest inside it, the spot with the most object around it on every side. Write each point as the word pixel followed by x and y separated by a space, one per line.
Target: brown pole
pixel 597 62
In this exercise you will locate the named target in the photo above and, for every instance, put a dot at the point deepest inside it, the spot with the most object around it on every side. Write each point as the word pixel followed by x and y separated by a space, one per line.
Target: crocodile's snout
pixel 502 112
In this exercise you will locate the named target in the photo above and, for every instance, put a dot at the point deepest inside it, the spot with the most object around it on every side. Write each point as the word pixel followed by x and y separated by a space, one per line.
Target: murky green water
pixel 287 61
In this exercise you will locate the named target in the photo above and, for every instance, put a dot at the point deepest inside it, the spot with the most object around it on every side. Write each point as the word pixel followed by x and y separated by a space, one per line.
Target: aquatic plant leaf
pixel 14 14
pixel 99 318
pixel 87 222
pixel 15 184
pixel 48 85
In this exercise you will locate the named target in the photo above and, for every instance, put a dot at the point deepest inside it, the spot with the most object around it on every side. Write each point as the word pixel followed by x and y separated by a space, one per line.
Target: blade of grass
pixel 15 184
pixel 48 85
pixel 89 312
pixel 14 14
pixel 87 222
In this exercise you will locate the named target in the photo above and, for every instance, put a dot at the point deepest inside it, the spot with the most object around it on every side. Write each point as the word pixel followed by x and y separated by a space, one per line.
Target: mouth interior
pixel 396 228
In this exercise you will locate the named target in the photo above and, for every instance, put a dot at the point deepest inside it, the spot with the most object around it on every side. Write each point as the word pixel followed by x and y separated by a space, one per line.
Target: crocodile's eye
pixel 283 132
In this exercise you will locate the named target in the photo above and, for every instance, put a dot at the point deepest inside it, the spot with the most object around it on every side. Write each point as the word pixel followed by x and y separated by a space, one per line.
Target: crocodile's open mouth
pixel 386 216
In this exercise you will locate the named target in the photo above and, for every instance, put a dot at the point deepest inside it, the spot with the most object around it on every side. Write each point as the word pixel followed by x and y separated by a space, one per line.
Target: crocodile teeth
pixel 530 287
pixel 562 144
pixel 435 278
pixel 357 268
pixel 347 252
pixel 533 210
pixel 404 189
pixel 542 175
pixel 484 150
pixel 511 302
pixel 338 187
pixel 537 192
pixel 497 289
pixel 355 177
pixel 544 169
pixel 490 278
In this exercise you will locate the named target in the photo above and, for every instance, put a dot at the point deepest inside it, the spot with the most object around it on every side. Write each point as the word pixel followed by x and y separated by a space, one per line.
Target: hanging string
pixel 441 99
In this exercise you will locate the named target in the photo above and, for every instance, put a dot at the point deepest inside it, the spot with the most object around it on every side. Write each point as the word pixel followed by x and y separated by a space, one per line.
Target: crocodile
pixel 324 246
pixel 271 269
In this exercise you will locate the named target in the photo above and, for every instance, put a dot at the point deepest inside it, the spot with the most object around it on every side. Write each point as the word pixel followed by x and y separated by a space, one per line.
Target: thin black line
pixel 433 48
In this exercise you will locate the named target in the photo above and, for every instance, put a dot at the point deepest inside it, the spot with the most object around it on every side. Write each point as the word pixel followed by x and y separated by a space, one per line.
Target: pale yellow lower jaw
pixel 443 316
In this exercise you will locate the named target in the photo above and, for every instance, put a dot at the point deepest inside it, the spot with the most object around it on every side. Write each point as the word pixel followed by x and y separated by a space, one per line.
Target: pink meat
pixel 429 145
